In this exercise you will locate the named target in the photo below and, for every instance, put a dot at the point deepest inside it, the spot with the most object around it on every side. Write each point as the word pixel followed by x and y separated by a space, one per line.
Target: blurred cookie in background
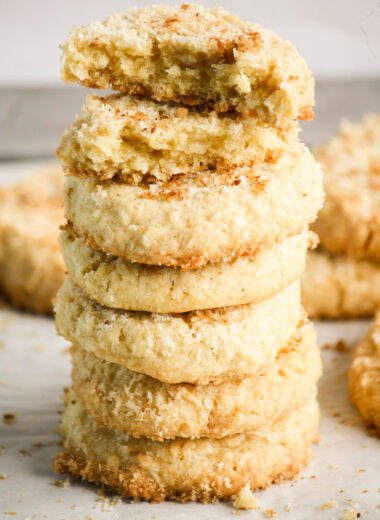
pixel 342 277
pixel 31 265
pixel 364 377
pixel 337 286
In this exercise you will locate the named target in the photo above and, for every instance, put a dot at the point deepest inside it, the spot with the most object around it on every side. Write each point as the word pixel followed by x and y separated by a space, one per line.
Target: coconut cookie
pixel 340 286
pixel 130 138
pixel 198 218
pixel 200 469
pixel 350 219
pixel 142 406
pixel 194 55
pixel 364 377
pixel 115 282
pixel 196 347
pixel 31 265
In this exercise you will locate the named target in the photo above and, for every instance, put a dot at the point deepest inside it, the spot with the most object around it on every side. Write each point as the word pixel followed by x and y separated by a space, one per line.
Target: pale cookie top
pixel 198 347
pixel 194 55
pixel 117 283
pixel 130 138
pixel 198 218
pixel 349 222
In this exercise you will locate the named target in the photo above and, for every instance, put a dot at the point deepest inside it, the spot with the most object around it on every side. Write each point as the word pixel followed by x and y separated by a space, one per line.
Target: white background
pixel 339 38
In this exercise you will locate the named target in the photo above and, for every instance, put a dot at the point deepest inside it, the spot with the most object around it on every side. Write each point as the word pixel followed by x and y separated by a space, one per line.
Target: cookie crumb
pixel 105 504
pixel 9 418
pixel 271 513
pixel 24 452
pixel 339 346
pixel 350 514
pixel 245 499
pixel 288 508
pixel 327 505
pixel 62 483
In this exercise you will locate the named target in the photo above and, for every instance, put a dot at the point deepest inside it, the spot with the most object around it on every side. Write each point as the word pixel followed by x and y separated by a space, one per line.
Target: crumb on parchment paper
pixel 24 452
pixel 106 504
pixel 350 514
pixel 327 505
pixel 245 499
pixel 9 418
pixel 62 483
pixel 338 346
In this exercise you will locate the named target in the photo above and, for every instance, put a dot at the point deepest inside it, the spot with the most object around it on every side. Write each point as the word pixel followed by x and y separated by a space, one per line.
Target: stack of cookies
pixel 188 199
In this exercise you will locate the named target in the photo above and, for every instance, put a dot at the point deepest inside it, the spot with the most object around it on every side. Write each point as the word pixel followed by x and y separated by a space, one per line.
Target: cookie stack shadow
pixel 194 366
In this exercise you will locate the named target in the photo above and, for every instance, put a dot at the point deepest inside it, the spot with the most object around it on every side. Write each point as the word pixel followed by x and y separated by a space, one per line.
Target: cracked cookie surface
pixel 194 55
